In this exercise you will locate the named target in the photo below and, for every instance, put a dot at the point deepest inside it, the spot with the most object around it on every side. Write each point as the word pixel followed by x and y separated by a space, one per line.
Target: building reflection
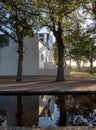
pixel 25 110
pixel 46 106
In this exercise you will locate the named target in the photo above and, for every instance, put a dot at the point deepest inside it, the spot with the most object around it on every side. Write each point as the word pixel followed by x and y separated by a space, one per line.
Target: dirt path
pixel 48 84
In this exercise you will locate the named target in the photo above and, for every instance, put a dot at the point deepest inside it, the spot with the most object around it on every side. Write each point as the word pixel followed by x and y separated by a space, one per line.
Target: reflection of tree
pixel 77 109
pixel 81 104
pixel 83 107
pixel 2 116
pixel 61 105
pixel 19 111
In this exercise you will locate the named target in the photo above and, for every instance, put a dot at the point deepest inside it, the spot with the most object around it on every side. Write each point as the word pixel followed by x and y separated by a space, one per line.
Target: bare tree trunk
pixel 20 60
pixel 91 67
pixel 70 63
pixel 60 45
pixel 60 71
pixel 78 65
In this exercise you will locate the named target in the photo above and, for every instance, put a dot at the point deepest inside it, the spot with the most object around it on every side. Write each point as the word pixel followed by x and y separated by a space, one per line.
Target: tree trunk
pixel 78 65
pixel 59 40
pixel 20 60
pixel 60 71
pixel 91 67
pixel 70 63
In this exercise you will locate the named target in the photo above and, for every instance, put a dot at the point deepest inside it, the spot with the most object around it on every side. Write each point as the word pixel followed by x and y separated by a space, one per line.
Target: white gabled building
pixel 36 58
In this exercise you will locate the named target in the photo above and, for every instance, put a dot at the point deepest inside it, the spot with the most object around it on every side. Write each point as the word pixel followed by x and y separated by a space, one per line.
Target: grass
pixel 83 74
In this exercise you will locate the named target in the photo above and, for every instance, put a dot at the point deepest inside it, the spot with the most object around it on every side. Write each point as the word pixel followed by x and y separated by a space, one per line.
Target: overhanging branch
pixel 5 32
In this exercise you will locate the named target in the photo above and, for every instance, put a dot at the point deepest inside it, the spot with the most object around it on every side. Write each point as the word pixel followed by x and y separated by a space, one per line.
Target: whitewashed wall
pixel 42 55
pixel 31 59
pixel 32 62
pixel 9 59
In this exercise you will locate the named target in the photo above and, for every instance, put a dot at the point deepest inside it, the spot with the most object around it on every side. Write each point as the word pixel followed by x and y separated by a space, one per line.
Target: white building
pixel 36 58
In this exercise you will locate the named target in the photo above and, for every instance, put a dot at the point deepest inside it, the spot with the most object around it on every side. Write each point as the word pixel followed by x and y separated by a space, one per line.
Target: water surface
pixel 48 110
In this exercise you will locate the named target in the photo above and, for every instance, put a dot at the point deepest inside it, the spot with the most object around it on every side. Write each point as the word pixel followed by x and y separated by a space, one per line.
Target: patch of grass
pixel 83 73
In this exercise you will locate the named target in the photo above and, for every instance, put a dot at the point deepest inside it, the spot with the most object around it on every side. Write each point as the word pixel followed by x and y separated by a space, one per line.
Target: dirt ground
pixel 48 84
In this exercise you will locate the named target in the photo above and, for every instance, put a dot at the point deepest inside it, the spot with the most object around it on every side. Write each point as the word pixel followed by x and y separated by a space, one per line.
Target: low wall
pixel 53 72
pixel 38 72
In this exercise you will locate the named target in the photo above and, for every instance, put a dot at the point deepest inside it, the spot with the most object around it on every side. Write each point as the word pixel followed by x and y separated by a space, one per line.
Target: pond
pixel 48 110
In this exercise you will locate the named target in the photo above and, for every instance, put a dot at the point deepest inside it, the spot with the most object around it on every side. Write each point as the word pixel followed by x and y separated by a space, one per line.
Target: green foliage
pixel 18 19
pixel 89 9
pixel 74 42
pixel 54 12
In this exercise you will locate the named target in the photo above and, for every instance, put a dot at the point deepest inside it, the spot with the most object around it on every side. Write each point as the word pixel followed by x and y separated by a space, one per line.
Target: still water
pixel 48 110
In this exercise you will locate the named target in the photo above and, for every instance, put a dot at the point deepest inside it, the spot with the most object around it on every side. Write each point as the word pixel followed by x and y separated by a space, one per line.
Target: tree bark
pixel 70 63
pixel 91 67
pixel 60 70
pixel 20 60
pixel 78 65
